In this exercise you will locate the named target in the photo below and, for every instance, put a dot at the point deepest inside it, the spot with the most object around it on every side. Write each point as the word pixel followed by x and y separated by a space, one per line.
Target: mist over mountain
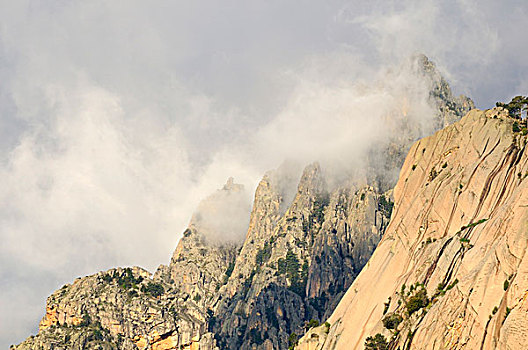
pixel 118 120
pixel 238 280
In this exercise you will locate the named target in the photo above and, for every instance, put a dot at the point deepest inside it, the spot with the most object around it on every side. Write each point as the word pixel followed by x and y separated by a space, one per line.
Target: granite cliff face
pixel 450 271
pixel 307 239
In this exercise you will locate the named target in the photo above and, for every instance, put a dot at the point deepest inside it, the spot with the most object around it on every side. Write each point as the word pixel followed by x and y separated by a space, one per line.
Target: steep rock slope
pixel 450 271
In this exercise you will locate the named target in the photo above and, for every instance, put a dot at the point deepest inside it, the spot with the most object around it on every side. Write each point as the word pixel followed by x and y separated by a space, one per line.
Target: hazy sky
pixel 117 117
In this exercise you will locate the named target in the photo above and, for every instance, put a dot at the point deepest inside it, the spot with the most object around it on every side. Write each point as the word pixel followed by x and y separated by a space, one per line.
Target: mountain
pixel 307 239
pixel 298 269
pixel 450 271
pixel 292 272
pixel 129 308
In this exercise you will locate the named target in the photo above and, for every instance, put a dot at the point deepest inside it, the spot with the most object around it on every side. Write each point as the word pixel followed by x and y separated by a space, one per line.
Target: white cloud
pixel 86 189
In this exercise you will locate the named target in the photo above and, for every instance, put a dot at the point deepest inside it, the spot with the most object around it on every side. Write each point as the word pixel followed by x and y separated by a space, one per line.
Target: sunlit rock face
pixel 118 308
pixel 458 236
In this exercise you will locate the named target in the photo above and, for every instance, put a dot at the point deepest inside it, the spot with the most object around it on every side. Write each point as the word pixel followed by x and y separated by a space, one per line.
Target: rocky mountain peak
pixel 222 216
pixel 312 180
pixel 450 107
pixel 231 186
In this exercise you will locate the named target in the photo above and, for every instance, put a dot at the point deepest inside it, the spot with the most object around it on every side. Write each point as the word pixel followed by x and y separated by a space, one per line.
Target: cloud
pixel 85 189
pixel 476 44
pixel 117 120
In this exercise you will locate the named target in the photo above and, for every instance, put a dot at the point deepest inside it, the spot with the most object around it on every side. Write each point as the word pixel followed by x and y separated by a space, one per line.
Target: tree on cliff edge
pixel 516 106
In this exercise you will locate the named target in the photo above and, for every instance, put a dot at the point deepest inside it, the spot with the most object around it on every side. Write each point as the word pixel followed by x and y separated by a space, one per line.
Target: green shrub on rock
pixel 392 321
pixel 377 342
pixel 152 288
pixel 418 301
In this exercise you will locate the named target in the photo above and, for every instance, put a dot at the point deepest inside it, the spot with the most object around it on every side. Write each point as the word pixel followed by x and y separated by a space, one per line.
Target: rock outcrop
pixel 450 271
pixel 450 108
pixel 119 308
